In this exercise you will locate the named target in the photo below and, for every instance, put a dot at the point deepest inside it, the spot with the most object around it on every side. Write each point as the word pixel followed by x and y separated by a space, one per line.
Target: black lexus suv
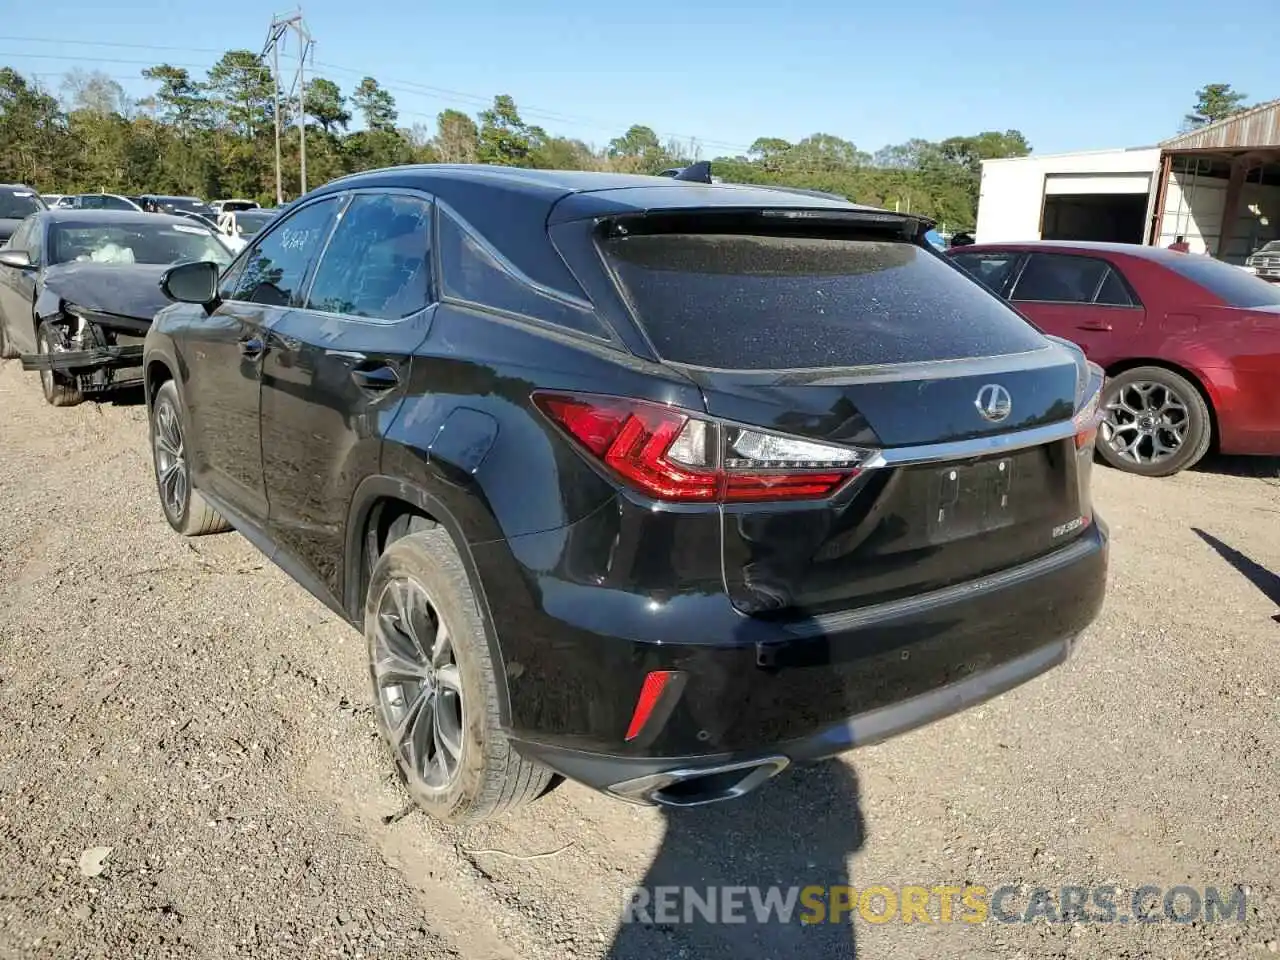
pixel 661 486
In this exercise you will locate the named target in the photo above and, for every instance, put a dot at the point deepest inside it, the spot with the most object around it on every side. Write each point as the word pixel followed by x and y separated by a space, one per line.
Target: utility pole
pixel 275 81
pixel 281 27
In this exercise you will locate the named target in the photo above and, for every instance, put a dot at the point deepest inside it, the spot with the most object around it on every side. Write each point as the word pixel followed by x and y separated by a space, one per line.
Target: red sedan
pixel 1191 345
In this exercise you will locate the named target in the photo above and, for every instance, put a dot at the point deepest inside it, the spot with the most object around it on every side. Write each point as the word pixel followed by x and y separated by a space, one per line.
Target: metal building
pixel 1224 173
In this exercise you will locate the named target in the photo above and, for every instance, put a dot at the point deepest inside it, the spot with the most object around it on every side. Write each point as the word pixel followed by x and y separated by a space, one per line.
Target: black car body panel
pixel 129 290
pixel 795 624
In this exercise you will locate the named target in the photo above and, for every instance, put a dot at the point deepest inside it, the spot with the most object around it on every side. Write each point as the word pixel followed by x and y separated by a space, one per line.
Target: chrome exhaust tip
pixel 699 786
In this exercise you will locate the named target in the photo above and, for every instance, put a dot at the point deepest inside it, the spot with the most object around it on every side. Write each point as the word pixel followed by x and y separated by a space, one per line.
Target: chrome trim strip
pixel 968 449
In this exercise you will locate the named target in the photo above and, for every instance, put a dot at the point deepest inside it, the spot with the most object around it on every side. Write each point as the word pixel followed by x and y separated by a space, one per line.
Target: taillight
pixel 1089 416
pixel 673 455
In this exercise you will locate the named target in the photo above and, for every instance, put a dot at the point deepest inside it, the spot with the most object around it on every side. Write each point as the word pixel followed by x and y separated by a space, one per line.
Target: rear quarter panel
pixel 478 368
pixel 1234 354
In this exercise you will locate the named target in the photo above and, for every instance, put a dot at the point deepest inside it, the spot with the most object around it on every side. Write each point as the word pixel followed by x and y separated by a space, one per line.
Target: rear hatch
pixel 959 419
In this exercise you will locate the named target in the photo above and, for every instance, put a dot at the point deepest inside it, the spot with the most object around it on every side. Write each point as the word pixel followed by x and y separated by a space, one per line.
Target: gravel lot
pixel 190 708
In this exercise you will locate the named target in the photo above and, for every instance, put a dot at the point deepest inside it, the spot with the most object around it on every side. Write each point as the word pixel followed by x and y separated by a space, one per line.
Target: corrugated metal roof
pixel 1256 127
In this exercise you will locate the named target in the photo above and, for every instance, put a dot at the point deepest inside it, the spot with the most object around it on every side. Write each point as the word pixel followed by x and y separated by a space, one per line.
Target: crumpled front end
pixel 98 351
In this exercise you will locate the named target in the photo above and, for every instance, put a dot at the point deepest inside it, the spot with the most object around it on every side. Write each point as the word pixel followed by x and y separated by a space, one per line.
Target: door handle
pixel 252 347
pixel 381 376
pixel 1095 325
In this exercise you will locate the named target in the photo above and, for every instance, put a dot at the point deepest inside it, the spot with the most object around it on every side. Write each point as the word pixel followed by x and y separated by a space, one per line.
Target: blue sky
pixel 1075 75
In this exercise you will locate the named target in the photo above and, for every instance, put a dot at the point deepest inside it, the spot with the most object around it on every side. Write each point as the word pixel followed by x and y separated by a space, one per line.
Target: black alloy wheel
pixel 184 508
pixel 418 685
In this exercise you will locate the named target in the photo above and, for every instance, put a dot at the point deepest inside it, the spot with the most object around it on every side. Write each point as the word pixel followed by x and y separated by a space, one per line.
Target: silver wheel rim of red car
pixel 418 684
pixel 1146 422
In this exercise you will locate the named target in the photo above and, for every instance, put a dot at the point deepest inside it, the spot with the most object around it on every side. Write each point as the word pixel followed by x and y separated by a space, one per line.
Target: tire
pixel 184 508
pixel 455 692
pixel 7 351
pixel 1148 403
pixel 59 389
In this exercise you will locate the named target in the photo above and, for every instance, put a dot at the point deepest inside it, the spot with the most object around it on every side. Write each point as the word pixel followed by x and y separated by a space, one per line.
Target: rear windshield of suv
pixel 748 302
pixel 18 204
pixel 1235 287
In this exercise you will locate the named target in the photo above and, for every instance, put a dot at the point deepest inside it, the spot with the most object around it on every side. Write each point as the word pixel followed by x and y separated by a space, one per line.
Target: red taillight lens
pixel 632 438
pixel 672 455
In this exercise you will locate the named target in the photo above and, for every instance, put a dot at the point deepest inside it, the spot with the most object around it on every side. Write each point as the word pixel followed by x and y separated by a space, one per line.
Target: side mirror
pixel 191 282
pixel 16 258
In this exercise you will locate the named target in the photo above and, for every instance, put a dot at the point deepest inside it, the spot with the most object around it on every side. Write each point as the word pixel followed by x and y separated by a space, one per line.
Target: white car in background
pixel 236 227
pixel 233 227
pixel 227 206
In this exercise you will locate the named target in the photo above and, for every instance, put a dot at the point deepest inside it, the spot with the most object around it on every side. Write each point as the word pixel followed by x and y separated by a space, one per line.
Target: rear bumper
pixel 575 654
pixel 705 779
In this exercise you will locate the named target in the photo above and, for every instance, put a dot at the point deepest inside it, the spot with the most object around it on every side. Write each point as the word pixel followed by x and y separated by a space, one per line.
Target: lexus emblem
pixel 994 402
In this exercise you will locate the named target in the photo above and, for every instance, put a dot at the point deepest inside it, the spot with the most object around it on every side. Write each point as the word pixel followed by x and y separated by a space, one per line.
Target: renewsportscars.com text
pixel 941 903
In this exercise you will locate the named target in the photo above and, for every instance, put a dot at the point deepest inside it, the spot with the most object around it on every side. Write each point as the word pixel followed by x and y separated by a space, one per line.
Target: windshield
pixel 16 204
pixel 136 243
pixel 1233 285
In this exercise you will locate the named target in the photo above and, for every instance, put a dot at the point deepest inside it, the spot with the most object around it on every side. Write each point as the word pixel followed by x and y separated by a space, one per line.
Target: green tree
pixel 561 153
pixel 457 138
pixel 770 152
pixel 505 138
pixel 242 92
pixel 180 101
pixel 376 106
pixel 826 152
pixel 639 151
pixel 31 133
pixel 1214 101
pixel 325 102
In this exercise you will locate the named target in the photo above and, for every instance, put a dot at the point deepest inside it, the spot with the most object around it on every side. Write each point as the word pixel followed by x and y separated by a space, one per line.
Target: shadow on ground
pixel 1239 466
pixel 1250 569
pixel 798 830
pixel 122 397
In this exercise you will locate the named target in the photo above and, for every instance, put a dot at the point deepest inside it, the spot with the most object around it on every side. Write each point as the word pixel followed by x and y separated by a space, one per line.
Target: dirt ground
pixel 187 706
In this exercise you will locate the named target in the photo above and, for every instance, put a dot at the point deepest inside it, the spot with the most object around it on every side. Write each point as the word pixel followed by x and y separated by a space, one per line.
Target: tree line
pixel 215 137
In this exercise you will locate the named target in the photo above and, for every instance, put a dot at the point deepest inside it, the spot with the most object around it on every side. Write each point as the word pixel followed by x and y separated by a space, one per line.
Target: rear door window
pixel 1058 278
pixel 474 272
pixel 754 302
pixel 1114 292
pixel 377 264
pixel 18 204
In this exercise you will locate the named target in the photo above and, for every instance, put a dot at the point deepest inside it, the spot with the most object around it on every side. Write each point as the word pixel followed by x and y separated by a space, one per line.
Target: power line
pixel 403 86
pixel 109 43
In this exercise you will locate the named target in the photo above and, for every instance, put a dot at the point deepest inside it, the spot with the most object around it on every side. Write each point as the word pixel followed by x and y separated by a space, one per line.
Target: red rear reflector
pixel 647 444
pixel 650 692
